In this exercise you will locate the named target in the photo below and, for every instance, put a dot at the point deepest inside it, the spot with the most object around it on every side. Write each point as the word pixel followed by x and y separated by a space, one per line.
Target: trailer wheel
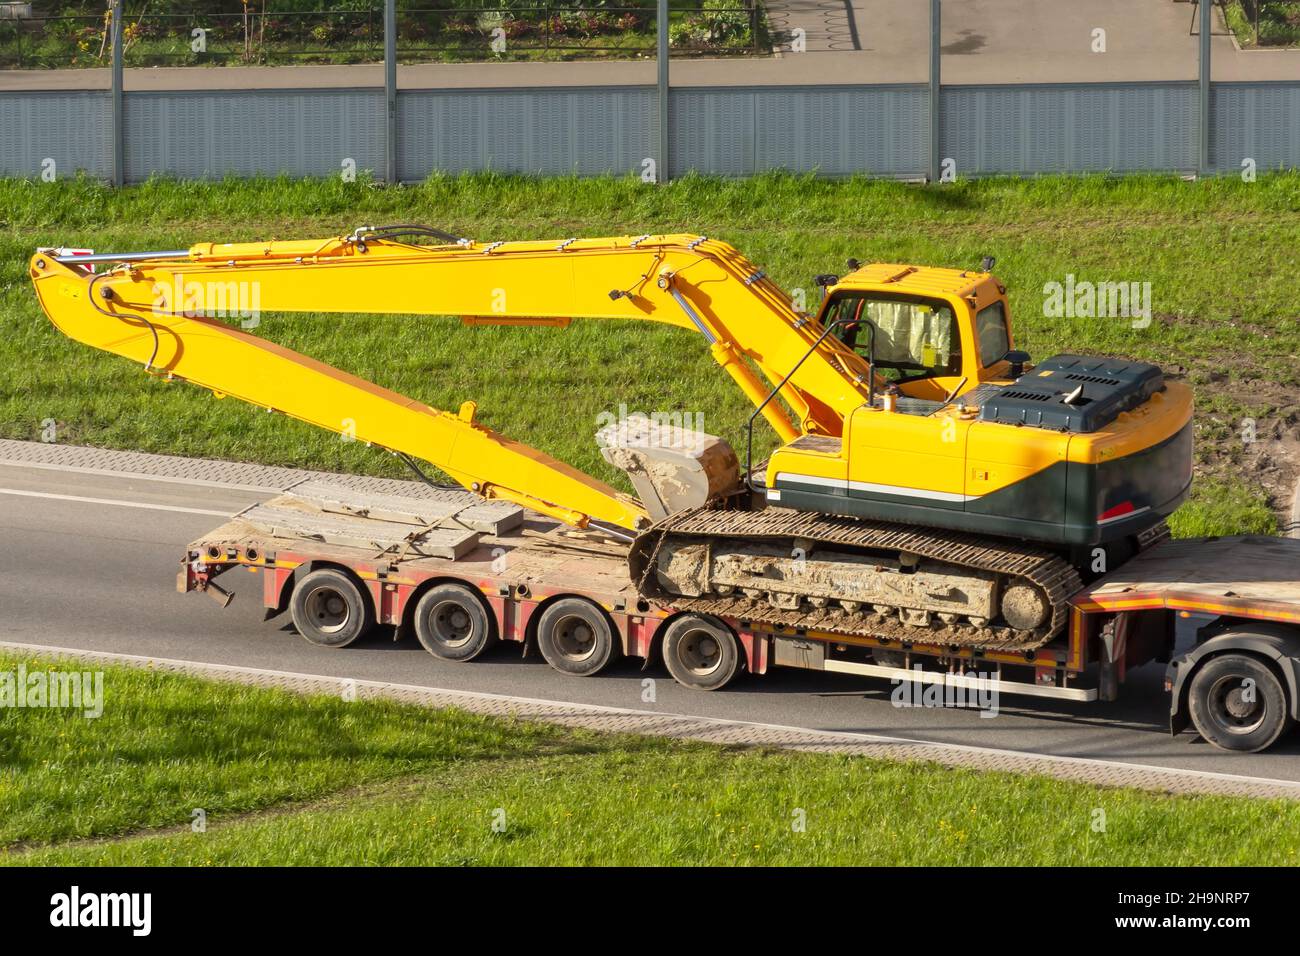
pixel 452 623
pixel 576 638
pixel 701 652
pixel 1237 703
pixel 329 609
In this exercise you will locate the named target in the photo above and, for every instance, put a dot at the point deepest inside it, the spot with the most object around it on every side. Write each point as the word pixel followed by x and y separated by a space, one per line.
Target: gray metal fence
pixel 901 130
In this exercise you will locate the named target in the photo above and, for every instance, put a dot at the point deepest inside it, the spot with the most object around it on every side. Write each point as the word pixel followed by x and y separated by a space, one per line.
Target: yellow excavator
pixel 929 478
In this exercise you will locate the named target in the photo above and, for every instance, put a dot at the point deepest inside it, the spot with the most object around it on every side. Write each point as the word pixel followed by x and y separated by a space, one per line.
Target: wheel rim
pixel 328 610
pixel 451 624
pixel 574 638
pixel 1230 709
pixel 700 652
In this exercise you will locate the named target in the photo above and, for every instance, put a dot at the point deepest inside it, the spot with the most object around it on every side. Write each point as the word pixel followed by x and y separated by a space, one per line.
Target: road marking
pixel 116 502
pixel 843 736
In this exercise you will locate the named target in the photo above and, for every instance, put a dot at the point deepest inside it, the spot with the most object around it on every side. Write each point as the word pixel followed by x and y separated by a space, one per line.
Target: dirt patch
pixel 1247 417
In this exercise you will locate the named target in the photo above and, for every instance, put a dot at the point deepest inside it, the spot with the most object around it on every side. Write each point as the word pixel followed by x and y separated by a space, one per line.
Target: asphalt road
pixel 88 561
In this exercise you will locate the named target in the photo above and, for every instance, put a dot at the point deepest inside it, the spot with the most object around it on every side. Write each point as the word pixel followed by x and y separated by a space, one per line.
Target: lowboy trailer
pixel 463 574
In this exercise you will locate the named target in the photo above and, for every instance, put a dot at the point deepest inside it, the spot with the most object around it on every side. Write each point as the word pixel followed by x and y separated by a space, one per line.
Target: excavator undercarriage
pixel 794 569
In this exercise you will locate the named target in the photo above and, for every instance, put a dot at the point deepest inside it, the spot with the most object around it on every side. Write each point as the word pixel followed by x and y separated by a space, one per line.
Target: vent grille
pixel 1094 379
pixel 1025 396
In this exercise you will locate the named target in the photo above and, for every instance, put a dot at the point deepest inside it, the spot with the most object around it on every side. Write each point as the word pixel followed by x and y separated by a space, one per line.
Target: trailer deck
pixel 523 569
pixel 398 545
pixel 1249 576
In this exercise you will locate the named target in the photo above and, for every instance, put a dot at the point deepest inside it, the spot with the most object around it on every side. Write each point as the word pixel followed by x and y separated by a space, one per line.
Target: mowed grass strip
pixel 314 780
pixel 1219 255
pixel 166 745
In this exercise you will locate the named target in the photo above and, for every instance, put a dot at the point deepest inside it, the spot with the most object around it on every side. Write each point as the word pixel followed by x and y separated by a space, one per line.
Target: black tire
pixel 452 623
pixel 576 637
pixel 701 652
pixel 330 609
pixel 1229 718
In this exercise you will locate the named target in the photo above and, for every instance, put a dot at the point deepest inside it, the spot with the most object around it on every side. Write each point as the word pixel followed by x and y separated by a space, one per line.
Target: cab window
pixel 991 331
pixel 915 337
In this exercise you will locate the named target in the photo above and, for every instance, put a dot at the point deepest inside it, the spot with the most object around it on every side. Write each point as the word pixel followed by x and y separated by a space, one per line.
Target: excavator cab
pixel 958 434
pixel 924 339
pixel 907 339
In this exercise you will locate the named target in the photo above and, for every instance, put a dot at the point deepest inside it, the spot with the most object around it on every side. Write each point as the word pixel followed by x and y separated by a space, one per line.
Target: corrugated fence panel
pixel 835 130
pixel 1059 128
pixel 732 131
pixel 587 131
pixel 251 133
pixel 70 128
pixel 1259 121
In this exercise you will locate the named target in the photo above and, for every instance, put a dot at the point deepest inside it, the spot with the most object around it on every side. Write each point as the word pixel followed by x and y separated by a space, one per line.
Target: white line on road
pixel 116 502
pixel 830 735
pixel 142 476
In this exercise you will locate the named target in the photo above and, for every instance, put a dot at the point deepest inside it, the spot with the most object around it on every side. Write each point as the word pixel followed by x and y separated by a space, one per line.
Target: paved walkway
pixel 848 42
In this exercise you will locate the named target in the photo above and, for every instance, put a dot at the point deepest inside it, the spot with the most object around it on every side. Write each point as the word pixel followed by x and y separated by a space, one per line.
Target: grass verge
pixel 1219 255
pixel 315 780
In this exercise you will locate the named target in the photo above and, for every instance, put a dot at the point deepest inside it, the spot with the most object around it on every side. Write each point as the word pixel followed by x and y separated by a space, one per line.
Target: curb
pixel 233 475
pixel 712 730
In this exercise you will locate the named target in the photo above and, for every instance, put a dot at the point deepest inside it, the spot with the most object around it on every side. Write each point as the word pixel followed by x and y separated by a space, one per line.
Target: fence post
pixel 1203 158
pixel 390 91
pixel 935 53
pixel 119 142
pixel 661 59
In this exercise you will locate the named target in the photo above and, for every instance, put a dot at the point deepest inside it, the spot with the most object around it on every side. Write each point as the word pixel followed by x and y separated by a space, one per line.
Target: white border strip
pixel 839 484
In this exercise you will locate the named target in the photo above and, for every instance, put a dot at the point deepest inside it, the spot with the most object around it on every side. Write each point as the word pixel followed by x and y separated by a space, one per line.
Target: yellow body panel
pixel 1000 455
pixel 907 451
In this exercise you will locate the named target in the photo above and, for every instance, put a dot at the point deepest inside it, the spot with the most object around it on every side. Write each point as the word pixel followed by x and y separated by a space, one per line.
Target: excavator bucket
pixel 672 468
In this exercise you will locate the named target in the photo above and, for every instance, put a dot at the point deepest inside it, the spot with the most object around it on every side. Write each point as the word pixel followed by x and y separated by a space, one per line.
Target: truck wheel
pixel 1237 703
pixel 576 638
pixel 701 652
pixel 329 609
pixel 452 623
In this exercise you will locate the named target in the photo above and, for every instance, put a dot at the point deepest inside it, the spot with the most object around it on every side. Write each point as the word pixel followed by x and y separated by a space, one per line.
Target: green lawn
pixel 292 780
pixel 1278 22
pixel 1220 255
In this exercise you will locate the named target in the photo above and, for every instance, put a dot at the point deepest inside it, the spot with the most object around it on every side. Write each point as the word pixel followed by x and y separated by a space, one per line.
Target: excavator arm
pixel 157 308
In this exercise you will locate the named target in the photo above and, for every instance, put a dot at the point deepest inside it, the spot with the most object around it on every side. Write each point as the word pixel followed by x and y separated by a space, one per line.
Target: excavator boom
pixel 158 308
